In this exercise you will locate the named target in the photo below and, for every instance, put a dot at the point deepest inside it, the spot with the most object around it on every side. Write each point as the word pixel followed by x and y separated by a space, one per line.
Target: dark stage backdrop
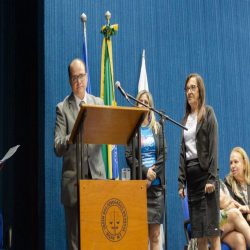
pixel 19 120
pixel 211 38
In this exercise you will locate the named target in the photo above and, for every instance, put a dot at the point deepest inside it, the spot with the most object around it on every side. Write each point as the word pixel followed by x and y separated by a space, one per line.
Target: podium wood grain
pixel 108 125
pixel 107 209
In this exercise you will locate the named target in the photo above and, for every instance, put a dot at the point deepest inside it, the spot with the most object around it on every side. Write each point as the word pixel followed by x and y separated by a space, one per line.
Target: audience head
pixel 239 170
pixel 239 164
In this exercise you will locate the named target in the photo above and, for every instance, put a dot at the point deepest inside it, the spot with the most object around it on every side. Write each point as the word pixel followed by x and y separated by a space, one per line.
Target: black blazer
pixel 207 148
pixel 159 165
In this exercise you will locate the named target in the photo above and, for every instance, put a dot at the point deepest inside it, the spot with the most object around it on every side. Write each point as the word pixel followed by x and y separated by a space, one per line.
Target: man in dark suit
pixel 66 114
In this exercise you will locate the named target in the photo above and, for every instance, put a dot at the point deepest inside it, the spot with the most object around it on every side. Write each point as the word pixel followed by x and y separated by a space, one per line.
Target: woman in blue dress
pixel 152 168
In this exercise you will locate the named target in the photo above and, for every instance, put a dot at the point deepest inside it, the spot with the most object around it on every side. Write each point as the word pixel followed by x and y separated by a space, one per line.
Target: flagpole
pixel 84 20
pixel 109 152
pixel 84 51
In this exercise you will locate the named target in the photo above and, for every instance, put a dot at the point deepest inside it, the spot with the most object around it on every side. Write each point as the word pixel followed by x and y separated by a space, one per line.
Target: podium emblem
pixel 114 220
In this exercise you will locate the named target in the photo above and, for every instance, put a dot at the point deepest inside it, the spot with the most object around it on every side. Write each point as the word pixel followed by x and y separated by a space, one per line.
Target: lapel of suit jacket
pixel 200 123
pixel 89 100
pixel 157 142
pixel 182 131
pixel 199 126
pixel 72 105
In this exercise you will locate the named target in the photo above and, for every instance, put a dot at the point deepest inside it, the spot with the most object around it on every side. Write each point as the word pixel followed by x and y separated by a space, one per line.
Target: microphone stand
pixel 160 113
pixel 162 122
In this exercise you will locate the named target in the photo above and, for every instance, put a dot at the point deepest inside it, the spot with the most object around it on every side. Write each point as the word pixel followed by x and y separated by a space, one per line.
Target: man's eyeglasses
pixel 192 88
pixel 74 79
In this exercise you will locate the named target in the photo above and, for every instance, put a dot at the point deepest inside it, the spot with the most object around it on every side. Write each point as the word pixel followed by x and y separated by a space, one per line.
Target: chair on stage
pixel 187 226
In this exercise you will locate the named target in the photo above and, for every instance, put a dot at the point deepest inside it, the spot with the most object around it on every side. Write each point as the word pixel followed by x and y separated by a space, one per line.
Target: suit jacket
pixel 66 114
pixel 159 165
pixel 207 148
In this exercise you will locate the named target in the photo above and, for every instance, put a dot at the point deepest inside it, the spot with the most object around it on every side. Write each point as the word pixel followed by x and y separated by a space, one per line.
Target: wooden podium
pixel 113 214
pixel 107 125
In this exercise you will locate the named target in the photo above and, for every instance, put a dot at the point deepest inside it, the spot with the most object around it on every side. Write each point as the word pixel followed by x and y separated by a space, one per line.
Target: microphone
pixel 118 86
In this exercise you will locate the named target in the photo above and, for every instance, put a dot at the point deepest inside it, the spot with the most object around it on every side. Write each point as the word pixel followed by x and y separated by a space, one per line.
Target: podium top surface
pixel 107 124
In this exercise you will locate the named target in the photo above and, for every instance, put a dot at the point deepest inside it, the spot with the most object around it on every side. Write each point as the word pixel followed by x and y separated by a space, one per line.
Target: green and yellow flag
pixel 109 152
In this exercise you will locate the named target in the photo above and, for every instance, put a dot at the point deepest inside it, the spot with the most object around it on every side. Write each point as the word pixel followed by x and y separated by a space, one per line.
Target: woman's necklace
pixel 244 191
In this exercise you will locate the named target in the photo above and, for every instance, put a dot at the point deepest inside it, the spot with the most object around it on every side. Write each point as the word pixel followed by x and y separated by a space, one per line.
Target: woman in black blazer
pixel 199 164
pixel 152 168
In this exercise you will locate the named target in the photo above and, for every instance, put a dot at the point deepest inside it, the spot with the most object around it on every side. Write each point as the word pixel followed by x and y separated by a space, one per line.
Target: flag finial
pixel 84 19
pixel 108 16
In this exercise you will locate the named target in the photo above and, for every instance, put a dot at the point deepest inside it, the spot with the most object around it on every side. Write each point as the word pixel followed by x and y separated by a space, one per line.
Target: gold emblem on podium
pixel 114 220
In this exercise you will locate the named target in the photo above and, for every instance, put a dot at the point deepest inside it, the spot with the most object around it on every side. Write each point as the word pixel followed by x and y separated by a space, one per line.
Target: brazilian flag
pixel 109 152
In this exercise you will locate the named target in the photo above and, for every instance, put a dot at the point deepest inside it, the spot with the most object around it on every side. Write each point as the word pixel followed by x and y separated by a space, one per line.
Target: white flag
pixel 143 81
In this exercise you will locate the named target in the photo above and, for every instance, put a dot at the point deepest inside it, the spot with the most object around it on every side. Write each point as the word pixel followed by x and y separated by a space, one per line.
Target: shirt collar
pixel 78 100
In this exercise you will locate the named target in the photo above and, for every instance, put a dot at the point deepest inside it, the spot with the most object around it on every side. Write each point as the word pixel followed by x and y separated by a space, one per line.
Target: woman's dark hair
pixel 201 106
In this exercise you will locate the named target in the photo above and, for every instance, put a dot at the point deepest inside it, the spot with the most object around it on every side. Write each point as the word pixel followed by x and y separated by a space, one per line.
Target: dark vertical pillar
pixel 19 123
pixel 7 108
pixel 41 122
